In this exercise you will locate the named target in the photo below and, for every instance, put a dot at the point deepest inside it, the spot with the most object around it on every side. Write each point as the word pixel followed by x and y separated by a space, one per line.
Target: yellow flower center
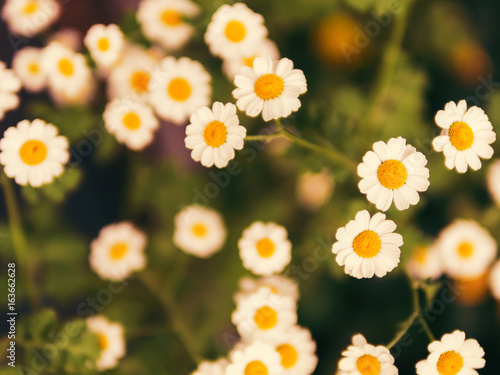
pixel 420 255
pixel 118 250
pixel 465 249
pixel 179 89
pixel 269 86
pixel 265 247
pixel 66 67
pixel 256 368
pixel 33 68
pixel 367 244
pixel 288 354
pixel 33 152
pixel 103 44
pixel 30 8
pixel 140 81
pixel 461 135
pixel 248 61
pixel 199 230
pixel 171 17
pixel 450 363
pixel 392 174
pixel 131 121
pixel 215 134
pixel 368 365
pixel 235 31
pixel 103 341
pixel 265 317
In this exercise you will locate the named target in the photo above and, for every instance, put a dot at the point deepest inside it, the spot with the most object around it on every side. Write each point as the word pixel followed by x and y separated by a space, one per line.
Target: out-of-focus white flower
pixel 29 17
pixel 10 84
pixel 105 43
pixel 26 65
pixel 111 341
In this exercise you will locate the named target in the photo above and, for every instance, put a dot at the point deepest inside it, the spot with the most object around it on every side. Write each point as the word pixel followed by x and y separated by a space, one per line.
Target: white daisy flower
pixel 111 341
pixel 494 280
pixel 393 172
pixel 452 355
pixel 132 123
pixel 217 367
pixel 368 246
pixel 118 251
pixel 297 350
pixel 277 283
pixel 180 87
pixel 26 65
pixel 105 44
pixel 493 180
pixel 214 134
pixel 265 248
pixel 29 17
pixel 270 87
pixel 362 358
pixel 69 37
pixel 234 30
pixel 260 315
pixel 232 66
pixel 466 136
pixel 67 72
pixel 425 263
pixel 9 86
pixel 199 231
pixel 131 75
pixel 32 153
pixel 466 249
pixel 257 358
pixel 163 21
pixel 314 190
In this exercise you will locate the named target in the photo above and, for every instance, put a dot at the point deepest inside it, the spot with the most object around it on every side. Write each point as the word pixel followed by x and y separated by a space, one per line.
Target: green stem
pixel 19 239
pixel 177 326
pixel 387 66
pixel 334 155
pixel 261 137
pixel 406 326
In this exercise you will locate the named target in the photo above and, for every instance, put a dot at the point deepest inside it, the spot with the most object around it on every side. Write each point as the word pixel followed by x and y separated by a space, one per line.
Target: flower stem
pixel 331 153
pixel 261 137
pixel 19 240
pixel 177 325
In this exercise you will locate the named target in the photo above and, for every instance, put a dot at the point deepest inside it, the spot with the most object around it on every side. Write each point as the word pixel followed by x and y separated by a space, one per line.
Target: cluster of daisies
pixel 265 317
pixel 395 173
pixel 451 355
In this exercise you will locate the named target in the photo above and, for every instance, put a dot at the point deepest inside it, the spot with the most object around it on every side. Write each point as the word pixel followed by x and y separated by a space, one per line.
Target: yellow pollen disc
pixel 450 363
pixel 465 249
pixel 248 61
pixel 273 289
pixel 235 31
pixel 118 250
pixel 215 134
pixel 461 135
pixel 288 354
pixel 103 341
pixel 179 89
pixel 420 255
pixel 171 17
pixel 33 68
pixel 30 8
pixel 103 44
pixel 33 152
pixel 265 247
pixel 131 121
pixel 265 317
pixel 199 230
pixel 66 67
pixel 140 81
pixel 367 244
pixel 368 365
pixel 256 368
pixel 269 86
pixel 392 174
